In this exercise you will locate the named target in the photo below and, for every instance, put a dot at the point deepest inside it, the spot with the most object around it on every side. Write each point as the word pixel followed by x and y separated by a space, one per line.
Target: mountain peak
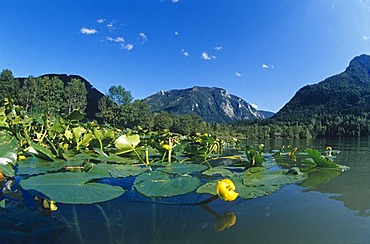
pixel 341 94
pixel 213 104
pixel 359 63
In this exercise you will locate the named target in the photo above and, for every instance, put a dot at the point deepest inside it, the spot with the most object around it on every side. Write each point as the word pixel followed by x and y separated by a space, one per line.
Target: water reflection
pixel 352 187
pixel 222 222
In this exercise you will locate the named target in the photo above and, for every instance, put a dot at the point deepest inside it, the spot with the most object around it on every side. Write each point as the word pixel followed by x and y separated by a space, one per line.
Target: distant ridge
pixel 347 93
pixel 212 104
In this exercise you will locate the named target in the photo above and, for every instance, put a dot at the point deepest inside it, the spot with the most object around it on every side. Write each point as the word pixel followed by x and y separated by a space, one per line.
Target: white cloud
pixel 100 21
pixel 219 48
pixel 238 74
pixel 175 1
pixel 267 66
pixel 176 33
pixel 88 31
pixel 185 53
pixel 366 38
pixel 111 26
pixel 143 37
pixel 205 56
pixel 128 47
pixel 117 39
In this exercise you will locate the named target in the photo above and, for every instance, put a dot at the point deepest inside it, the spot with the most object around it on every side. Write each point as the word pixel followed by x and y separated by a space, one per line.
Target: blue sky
pixel 260 50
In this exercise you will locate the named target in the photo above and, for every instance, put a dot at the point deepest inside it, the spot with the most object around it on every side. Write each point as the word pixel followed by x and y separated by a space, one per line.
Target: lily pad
pixel 34 166
pixel 255 182
pixel 218 170
pixel 72 188
pixel 182 168
pixel 267 177
pixel 113 158
pixel 115 170
pixel 159 184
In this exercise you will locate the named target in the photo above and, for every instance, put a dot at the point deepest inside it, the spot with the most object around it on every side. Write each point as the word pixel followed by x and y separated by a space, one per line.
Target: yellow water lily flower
pixel 226 190
pixel 21 157
pixel 167 147
pixel 49 205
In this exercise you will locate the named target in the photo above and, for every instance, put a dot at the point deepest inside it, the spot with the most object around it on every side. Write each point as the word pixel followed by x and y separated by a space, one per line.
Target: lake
pixel 337 211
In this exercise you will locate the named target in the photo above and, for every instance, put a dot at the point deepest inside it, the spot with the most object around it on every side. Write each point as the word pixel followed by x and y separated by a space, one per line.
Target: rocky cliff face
pixel 211 103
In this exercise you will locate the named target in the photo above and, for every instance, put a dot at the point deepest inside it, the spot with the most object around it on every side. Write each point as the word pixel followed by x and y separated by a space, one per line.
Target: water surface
pixel 335 212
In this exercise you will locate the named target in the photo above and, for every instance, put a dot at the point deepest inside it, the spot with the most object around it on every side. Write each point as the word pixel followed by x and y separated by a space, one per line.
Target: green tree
pixel 134 114
pixel 107 110
pixel 51 91
pixel 75 96
pixel 28 93
pixel 8 86
pixel 162 120
pixel 119 95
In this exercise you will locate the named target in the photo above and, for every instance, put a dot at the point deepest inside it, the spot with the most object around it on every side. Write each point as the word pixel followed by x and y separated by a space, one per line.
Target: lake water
pixel 335 212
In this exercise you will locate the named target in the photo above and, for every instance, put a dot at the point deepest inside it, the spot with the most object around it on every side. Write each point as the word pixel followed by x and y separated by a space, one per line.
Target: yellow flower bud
pixel 21 157
pixel 167 147
pixel 226 190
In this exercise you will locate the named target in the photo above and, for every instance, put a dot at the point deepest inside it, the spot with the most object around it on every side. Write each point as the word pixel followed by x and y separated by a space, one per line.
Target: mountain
pixel 347 93
pixel 211 103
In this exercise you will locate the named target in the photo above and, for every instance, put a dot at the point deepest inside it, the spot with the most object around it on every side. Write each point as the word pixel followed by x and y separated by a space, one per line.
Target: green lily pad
pixel 72 188
pixel 115 170
pixel 182 168
pixel 246 192
pixel 34 166
pixel 159 184
pixel 103 157
pixel 218 170
pixel 270 178
pixel 255 182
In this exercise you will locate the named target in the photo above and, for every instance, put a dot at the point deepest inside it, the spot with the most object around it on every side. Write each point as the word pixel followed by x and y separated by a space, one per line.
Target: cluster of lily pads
pixel 61 159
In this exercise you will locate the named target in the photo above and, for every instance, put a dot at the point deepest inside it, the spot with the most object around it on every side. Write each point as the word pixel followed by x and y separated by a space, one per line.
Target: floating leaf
pixel 159 184
pixel 73 188
pixel 115 170
pixel 255 182
pixel 113 158
pixel 218 170
pixel 183 168
pixel 267 177
pixel 33 166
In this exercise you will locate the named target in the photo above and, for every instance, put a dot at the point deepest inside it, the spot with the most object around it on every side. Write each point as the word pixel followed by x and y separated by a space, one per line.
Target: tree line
pixel 118 108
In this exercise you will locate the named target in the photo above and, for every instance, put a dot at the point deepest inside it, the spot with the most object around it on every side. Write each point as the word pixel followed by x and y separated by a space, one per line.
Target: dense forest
pixel 118 108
